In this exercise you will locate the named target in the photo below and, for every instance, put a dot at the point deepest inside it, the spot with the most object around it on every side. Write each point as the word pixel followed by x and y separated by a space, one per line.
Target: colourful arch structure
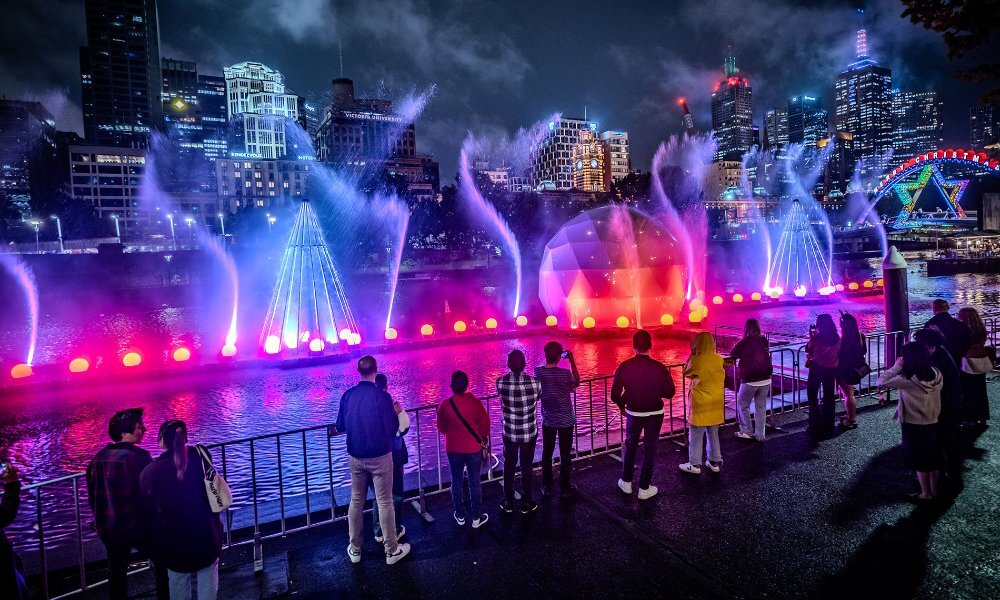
pixel 928 167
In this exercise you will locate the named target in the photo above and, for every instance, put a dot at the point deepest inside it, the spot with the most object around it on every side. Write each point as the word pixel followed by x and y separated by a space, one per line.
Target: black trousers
pixel 565 435
pixel 821 414
pixel 119 557
pixel 649 427
pixel 514 452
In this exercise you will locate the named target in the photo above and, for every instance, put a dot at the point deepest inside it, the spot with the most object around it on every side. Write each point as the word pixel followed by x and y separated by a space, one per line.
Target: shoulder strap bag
pixel 219 496
pixel 482 444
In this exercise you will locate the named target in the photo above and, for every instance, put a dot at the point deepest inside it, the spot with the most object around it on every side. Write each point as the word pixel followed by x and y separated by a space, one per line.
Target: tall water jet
pixel 799 261
pixel 25 279
pixel 402 220
pixel 622 231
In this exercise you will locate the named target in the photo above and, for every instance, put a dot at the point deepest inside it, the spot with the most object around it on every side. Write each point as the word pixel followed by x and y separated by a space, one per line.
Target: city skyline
pixel 496 79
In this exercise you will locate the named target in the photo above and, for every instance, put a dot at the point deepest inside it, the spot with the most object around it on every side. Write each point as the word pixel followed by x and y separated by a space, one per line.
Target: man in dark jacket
pixel 12 583
pixel 120 513
pixel 957 337
pixel 639 387
pixel 950 419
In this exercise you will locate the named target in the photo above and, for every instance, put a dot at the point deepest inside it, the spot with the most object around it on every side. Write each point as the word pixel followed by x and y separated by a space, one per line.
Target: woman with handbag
pixel 851 366
pixel 463 421
pixel 821 360
pixel 187 533
pixel 976 363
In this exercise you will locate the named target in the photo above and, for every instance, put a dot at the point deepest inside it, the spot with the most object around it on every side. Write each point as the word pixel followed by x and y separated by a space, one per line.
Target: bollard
pixel 897 303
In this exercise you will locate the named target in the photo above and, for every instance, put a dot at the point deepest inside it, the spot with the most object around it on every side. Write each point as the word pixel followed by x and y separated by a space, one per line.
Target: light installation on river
pixel 799 264
pixel 308 311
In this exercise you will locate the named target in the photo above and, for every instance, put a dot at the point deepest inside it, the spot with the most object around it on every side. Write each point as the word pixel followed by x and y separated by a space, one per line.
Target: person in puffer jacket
pixel 919 386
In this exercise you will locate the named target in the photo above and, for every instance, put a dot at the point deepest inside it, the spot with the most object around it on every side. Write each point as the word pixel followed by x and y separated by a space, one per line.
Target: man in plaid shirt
pixel 519 397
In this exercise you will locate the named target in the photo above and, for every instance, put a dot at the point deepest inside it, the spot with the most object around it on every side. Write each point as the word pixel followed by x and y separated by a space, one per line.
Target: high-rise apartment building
pixel 110 179
pixel 807 121
pixel 120 72
pixel 863 102
pixel 588 163
pixel 776 128
pixel 258 107
pixel 181 109
pixel 214 116
pixel 27 140
pixel 732 111
pixel 617 163
pixel 916 122
pixel 554 161
pixel 840 164
pixel 984 125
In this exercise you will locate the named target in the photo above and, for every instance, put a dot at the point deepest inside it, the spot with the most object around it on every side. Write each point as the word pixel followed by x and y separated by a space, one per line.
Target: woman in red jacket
pixel 463 421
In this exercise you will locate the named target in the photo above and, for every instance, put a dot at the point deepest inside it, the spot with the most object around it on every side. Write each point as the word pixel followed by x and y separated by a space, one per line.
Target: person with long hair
pixel 463 421
pixel 706 405
pixel 755 372
pixel 917 412
pixel 822 350
pixel 850 362
pixel 187 534
pixel 976 363
pixel 950 418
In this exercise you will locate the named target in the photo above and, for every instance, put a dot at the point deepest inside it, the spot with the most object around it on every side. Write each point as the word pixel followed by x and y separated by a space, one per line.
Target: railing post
pixel 258 549
pixel 79 533
pixel 305 473
pixel 41 543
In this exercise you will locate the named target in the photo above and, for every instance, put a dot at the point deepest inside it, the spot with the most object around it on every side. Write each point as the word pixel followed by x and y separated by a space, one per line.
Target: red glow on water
pixel 20 371
pixel 131 359
pixel 79 365
pixel 181 354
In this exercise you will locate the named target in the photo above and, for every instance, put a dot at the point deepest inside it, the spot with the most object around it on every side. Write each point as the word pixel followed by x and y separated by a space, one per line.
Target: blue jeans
pixel 460 464
pixel 696 444
pixel 757 395
pixel 205 581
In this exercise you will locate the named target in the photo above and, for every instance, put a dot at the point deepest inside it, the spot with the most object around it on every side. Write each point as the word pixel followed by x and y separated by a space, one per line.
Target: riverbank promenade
pixel 789 518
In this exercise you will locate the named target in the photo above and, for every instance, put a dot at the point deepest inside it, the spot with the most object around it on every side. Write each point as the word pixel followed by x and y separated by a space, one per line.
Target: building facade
pixel 807 121
pixel 984 126
pixel 258 107
pixel 589 161
pixel 27 141
pixel 257 183
pixel 554 160
pixel 120 73
pixel 917 124
pixel 840 165
pixel 723 177
pixel 110 179
pixel 863 103
pixel 732 111
pixel 776 128
pixel 214 117
pixel 617 163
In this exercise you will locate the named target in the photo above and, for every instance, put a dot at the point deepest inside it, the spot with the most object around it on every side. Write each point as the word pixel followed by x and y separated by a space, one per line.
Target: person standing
pixel 639 387
pixel 755 371
pixel 950 418
pixel 706 406
pixel 400 456
pixel 917 412
pixel 367 416
pixel 12 584
pixel 518 393
pixel 121 516
pixel 850 366
pixel 956 334
pixel 187 535
pixel 465 425
pixel 821 360
pixel 558 418
pixel 976 363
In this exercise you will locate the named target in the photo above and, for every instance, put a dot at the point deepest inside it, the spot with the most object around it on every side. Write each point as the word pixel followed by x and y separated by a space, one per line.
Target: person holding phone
pixel 12 584
pixel 822 352
pixel 558 418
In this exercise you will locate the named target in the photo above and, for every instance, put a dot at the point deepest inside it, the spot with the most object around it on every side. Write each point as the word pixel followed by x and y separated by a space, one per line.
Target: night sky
pixel 500 65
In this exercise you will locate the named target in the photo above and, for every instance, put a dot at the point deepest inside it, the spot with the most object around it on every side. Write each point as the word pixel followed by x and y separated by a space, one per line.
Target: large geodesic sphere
pixel 610 262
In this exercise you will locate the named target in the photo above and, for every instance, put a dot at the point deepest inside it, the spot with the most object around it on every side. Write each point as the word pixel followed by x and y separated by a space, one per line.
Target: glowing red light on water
pixel 521 321
pixel 181 355
pixel 426 329
pixel 391 333
pixel 460 326
pixel 316 345
pixel 20 371
pixel 551 321
pixel 491 323
pixel 229 350
pixel 79 365
pixel 622 322
pixel 272 345
pixel 131 359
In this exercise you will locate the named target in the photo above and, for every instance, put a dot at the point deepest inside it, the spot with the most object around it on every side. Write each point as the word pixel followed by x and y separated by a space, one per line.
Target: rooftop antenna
pixel 584 112
pixel 340 46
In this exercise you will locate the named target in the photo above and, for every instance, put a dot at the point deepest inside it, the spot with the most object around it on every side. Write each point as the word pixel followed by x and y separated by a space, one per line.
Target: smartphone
pixel 565 354
pixel 3 467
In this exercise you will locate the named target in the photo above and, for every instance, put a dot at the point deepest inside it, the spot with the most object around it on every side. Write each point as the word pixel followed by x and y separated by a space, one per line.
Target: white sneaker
pixel 647 493
pixel 625 486
pixel 714 467
pixel 458 519
pixel 689 468
pixel 381 538
pixel 353 553
pixel 477 523
pixel 743 436
pixel 401 551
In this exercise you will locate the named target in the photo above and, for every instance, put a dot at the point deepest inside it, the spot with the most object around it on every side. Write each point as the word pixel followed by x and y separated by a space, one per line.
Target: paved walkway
pixel 786 519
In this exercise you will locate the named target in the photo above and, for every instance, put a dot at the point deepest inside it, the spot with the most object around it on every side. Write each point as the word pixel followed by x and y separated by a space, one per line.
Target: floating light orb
pixel 521 321
pixel 354 340
pixel 880 283
pixel 666 320
pixel 551 321
pixel 316 345
pixel 460 326
pixel 131 359
pixel 737 298
pixel 622 322
pixel 345 333
pixel 181 354
pixel 272 345
pixel 79 365
pixel 703 310
pixel 868 284
pixel 589 322
pixel 755 296
pixel 491 323
pixel 839 287
pixel 716 299
pixel 800 291
pixel 694 316
pixel 229 351
pixel 696 304
pixel 303 337
pixel 426 329
pixel 391 333
pixel 20 371
pixel 852 286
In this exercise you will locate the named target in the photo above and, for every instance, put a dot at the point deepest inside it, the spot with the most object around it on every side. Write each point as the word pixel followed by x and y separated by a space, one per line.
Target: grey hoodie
pixel 919 401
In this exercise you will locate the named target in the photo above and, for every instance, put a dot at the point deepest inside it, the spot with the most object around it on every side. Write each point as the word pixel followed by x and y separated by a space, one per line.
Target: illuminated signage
pixel 116 159
pixel 373 117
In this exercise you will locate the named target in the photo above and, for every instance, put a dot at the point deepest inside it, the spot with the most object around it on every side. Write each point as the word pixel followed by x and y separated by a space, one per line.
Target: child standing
pixel 705 403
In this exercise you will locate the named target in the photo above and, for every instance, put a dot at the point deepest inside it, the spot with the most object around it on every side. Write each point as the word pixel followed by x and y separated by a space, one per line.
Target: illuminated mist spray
pixel 622 230
pixel 799 261
pixel 26 281
pixel 402 219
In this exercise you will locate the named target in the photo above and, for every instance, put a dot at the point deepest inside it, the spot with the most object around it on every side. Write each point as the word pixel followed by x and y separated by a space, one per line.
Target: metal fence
pixel 296 480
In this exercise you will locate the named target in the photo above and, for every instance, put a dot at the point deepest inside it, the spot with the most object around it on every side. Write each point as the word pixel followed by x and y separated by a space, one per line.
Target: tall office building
pixel 110 179
pixel 863 101
pixel 258 107
pixel 588 163
pixel 214 116
pixel 181 110
pixel 916 122
pixel 984 125
pixel 554 161
pixel 27 142
pixel 840 164
pixel 776 128
pixel 617 163
pixel 807 122
pixel 732 111
pixel 120 72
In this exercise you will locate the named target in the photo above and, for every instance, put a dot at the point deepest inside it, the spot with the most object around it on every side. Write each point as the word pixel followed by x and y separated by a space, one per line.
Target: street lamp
pixel 36 224
pixel 62 248
pixel 222 223
pixel 118 231
pixel 173 234
pixel 190 224
pixel 270 221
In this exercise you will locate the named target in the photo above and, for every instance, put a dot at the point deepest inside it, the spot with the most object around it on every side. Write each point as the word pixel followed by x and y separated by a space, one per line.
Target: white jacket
pixel 919 401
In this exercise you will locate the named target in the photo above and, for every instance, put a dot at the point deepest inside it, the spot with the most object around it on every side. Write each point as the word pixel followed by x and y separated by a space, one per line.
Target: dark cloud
pixel 499 65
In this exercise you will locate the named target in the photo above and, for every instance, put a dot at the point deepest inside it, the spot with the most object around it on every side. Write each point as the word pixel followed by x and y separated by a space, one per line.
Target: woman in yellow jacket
pixel 705 403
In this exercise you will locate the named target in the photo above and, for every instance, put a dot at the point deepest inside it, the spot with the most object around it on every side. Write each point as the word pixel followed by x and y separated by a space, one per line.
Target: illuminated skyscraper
pixel 554 163
pixel 256 96
pixel 588 163
pixel 917 125
pixel 776 128
pixel 120 72
pixel 27 139
pixel 616 164
pixel 732 111
pixel 214 116
pixel 863 101
pixel 984 125
pixel 806 121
